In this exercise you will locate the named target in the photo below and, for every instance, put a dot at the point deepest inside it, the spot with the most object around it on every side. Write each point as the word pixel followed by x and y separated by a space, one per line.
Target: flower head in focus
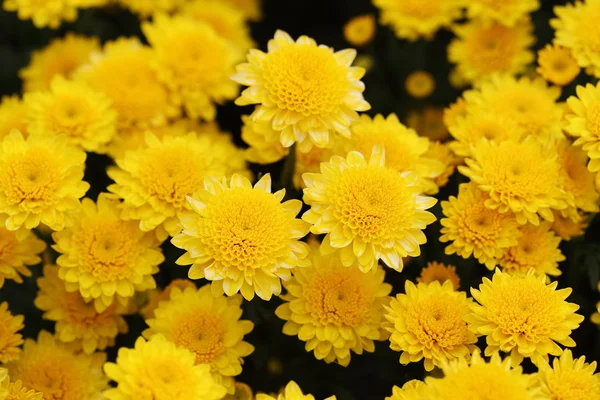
pixel 569 379
pixel 583 121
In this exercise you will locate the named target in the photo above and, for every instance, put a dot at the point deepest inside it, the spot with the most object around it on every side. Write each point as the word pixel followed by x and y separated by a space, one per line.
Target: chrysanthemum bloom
pixel 583 121
pixel 537 248
pixel 335 309
pixel 442 152
pixel 265 146
pixel 73 109
pixel 208 326
pixel 414 19
pixel 405 149
pixel 360 30
pixel 291 392
pixel 13 115
pixel 428 323
pixel 156 296
pixel 569 379
pixel 429 122
pixel 122 71
pixel 522 315
pixel 242 238
pixel 420 84
pixel 154 181
pixel 160 370
pixel 43 13
pixel 194 62
pixel 16 391
pixel 473 229
pixel 557 65
pixel 506 12
pixel 147 8
pixel 411 390
pixel 529 102
pixel 18 250
pixel 10 339
pixel 77 322
pixel 482 49
pixel 40 180
pixel 104 257
pixel 368 211
pixel 567 228
pixel 307 92
pixel 480 380
pixel 577 29
pixel 59 373
pixel 436 271
pixel 522 178
pixel 60 58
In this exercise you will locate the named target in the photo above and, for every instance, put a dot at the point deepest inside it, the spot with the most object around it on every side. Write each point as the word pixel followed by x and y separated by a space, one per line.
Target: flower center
pixel 479 225
pixel 201 333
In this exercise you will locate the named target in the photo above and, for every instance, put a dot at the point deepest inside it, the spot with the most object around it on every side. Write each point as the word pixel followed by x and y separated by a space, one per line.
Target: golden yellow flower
pixel 335 309
pixel 454 112
pixel 577 29
pixel 18 250
pixel 77 322
pixel 13 115
pixel 16 391
pixel 440 272
pixel 252 9
pixel 122 71
pixel 242 392
pixel 420 84
pixel 411 390
pixel 522 315
pixel 506 12
pixel 194 62
pixel 443 153
pixel 60 58
pixel 414 19
pixel 241 237
pixel 155 180
pixel 146 8
pixel 43 13
pixel 482 49
pixel 428 122
pixel 265 146
pixel 311 162
pixel 10 339
pixel 473 229
pixel 156 296
pixel 306 92
pixel 40 181
pixel 208 326
pixel 291 392
pixel 368 211
pixel 521 177
pixel 59 373
pixel 567 227
pixel 557 65
pixel 428 322
pixel 583 121
pixel 157 369
pixel 569 379
pixel 360 30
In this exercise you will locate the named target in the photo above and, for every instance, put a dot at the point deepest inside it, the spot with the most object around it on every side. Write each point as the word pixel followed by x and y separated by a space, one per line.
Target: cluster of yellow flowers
pixel 532 163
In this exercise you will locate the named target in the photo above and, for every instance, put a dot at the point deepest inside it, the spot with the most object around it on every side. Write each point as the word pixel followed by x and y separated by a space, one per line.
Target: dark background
pixel 278 358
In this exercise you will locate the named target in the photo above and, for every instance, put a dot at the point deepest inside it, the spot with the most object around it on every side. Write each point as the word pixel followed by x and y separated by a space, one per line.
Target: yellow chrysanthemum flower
pixel 557 65
pixel 154 181
pixel 208 326
pixel 335 309
pixel 265 146
pixel 443 153
pixel 77 322
pixel 18 250
pixel 428 322
pixel 360 30
pixel 411 390
pixel 242 392
pixel 156 296
pixel 530 103
pixel 522 315
pixel 72 109
pixel 473 229
pixel 59 373
pixel 518 177
pixel 440 272
pixel 43 13
pixel 420 84
pixel 291 392
pixel 482 49
pixel 13 115
pixel 583 121
pixel 158 369
pixel 577 29
pixel 310 162
pixel 455 111
pixel 567 228
pixel 307 92
pixel 194 62
pixel 368 211
pixel 16 391
pixel 242 238
pixel 506 12
pixel 480 380
pixel 60 58
pixel 537 248
pixel 40 181
pixel 414 19
pixel 10 338
pixel 569 379
pixel 104 257
pixel 122 71
pixel 429 122
pixel 146 8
